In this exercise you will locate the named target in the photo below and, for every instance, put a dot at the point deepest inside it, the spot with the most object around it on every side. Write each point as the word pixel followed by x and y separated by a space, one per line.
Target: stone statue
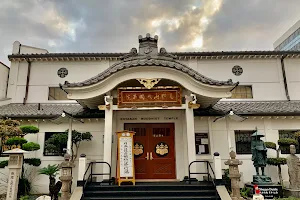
pixel 259 153
pixel 293 168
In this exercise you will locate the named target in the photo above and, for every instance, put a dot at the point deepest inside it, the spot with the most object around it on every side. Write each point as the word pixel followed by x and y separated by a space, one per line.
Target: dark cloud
pixel 113 26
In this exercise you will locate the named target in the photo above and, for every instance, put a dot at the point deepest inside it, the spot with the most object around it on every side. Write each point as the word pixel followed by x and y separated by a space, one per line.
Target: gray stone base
pixel 292 192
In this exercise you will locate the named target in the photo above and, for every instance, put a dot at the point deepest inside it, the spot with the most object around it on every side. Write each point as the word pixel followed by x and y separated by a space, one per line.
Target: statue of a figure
pixel 293 168
pixel 259 153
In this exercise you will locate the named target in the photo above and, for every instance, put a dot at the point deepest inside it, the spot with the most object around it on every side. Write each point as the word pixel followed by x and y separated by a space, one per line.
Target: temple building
pixel 182 106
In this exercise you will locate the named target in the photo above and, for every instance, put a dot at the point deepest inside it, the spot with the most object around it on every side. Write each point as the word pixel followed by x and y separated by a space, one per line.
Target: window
pixel 60 143
pixel 288 134
pixel 242 92
pixel 56 93
pixel 243 141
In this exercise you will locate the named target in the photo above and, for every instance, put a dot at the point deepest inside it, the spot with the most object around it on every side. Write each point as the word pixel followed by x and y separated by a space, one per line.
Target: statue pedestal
pixel 292 192
pixel 262 180
pixel 269 191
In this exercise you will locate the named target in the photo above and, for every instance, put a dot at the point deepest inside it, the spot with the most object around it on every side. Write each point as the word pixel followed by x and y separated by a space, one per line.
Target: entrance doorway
pixel 154 152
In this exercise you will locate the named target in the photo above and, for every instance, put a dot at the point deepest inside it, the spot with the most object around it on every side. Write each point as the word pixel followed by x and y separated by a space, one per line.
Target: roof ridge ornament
pixel 148 83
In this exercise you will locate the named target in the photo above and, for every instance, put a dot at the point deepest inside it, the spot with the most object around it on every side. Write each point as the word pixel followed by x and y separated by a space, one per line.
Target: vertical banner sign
pixel 125 169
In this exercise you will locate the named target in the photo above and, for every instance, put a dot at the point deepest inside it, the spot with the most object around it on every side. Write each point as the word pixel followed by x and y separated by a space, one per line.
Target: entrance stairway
pixel 161 191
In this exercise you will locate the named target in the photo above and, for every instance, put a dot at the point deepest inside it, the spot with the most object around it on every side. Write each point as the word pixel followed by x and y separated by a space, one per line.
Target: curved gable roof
pixel 161 59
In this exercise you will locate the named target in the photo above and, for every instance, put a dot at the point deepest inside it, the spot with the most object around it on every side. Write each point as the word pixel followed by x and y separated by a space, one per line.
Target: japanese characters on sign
pixel 154 97
pixel 126 167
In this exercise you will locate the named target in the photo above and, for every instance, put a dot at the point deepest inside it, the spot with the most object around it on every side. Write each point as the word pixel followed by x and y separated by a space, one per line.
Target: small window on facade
pixel 288 134
pixel 202 143
pixel 52 146
pixel 56 93
pixel 242 92
pixel 243 141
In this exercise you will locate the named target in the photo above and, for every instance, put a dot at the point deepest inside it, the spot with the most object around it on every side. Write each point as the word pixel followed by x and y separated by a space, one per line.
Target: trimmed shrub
pixel 3 163
pixel 15 141
pixel 29 129
pixel 270 145
pixel 287 142
pixel 276 161
pixel 31 146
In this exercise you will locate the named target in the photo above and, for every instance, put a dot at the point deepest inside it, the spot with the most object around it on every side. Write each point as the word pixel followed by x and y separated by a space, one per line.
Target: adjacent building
pixel 176 101
pixel 290 40
pixel 4 73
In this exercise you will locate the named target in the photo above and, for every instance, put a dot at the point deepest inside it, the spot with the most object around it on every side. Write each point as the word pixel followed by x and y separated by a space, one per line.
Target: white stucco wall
pixel 293 77
pixel 4 71
pixel 93 150
pixel 264 75
pixel 218 141
pixel 268 126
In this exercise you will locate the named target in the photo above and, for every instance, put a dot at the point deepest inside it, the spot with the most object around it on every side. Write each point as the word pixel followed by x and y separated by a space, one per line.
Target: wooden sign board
pixel 159 96
pixel 125 166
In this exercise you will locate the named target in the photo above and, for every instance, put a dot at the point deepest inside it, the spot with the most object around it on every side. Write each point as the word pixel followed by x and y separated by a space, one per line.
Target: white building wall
pixel 293 77
pixel 93 150
pixel 4 72
pixel 264 75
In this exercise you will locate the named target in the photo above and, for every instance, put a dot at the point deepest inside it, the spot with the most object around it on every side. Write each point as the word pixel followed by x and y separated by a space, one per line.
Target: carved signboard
pixel 125 157
pixel 159 96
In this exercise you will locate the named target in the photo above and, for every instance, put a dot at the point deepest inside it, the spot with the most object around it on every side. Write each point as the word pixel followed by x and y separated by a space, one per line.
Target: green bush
pixel 270 145
pixel 289 198
pixel 276 161
pixel 15 141
pixel 29 129
pixel 25 197
pixel 287 142
pixel 31 146
pixel 33 161
pixel 226 180
pixel 3 163
pixel 245 192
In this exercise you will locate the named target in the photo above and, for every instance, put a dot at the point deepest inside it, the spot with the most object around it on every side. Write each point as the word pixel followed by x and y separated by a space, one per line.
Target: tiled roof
pixel 207 53
pixel 254 108
pixel 16 110
pixel 150 62
pixel 270 108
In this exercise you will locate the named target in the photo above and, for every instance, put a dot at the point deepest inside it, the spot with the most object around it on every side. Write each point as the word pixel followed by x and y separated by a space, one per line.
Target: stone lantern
pixel 234 175
pixel 66 177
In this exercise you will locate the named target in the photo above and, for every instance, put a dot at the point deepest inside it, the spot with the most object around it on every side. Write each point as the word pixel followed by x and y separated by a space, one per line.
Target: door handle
pixel 147 157
pixel 151 157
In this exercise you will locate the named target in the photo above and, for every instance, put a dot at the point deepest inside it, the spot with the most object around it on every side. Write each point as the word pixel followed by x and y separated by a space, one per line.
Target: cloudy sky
pixel 114 25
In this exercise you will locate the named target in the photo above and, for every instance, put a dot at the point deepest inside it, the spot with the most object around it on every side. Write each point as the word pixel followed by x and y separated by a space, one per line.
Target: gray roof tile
pixel 16 110
pixel 260 107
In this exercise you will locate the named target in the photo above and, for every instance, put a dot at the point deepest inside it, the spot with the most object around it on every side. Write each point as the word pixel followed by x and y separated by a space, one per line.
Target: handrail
pixel 90 177
pixel 86 180
pixel 208 165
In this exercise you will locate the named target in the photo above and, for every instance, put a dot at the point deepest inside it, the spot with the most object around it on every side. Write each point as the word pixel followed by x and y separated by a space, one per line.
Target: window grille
pixel 243 141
